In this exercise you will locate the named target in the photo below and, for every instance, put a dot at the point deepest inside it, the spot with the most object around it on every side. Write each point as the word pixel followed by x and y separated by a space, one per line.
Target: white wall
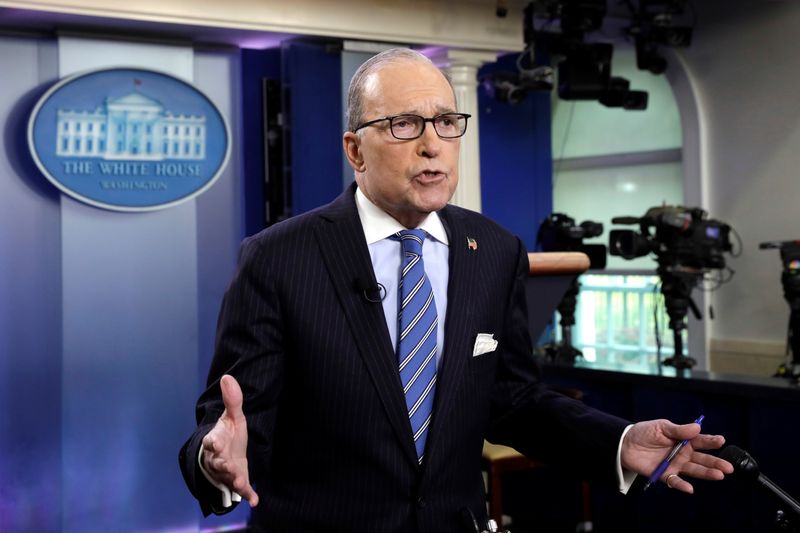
pixel 745 69
pixel 460 23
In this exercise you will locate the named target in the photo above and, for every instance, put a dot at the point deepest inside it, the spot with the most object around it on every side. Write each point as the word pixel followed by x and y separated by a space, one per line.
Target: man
pixel 359 366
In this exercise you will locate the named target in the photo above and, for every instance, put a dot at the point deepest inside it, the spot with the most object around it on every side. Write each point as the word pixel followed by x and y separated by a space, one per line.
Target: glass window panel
pixel 616 318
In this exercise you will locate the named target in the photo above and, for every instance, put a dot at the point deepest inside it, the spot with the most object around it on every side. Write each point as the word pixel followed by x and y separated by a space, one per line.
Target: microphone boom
pixel 746 467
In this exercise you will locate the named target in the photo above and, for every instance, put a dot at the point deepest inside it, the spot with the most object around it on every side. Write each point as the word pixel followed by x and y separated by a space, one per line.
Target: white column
pixel 462 67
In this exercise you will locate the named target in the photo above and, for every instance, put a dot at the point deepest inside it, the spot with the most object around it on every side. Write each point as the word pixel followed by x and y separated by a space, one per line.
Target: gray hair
pixel 355 93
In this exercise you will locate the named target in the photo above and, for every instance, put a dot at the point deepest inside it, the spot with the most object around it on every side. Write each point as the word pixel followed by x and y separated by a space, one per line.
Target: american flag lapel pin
pixel 472 244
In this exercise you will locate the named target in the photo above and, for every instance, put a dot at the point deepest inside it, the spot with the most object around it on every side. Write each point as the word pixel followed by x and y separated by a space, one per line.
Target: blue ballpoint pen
pixel 662 467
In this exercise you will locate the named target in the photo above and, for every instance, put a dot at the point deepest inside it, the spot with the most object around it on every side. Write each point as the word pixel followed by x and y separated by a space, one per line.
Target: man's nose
pixel 429 142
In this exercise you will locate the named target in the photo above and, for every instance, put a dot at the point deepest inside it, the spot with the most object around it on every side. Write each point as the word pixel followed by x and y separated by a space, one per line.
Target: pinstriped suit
pixel 330 444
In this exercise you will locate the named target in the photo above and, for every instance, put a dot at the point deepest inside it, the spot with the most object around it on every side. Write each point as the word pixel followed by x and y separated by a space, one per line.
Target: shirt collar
pixel 378 224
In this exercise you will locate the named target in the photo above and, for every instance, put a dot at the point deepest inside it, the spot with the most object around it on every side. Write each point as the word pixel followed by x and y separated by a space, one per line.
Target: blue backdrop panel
pixel 130 349
pixel 516 164
pixel 129 285
pixel 256 66
pixel 30 304
pixel 312 76
pixel 222 222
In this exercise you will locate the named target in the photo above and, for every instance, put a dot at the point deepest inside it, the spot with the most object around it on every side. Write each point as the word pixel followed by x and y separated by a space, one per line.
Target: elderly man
pixel 367 348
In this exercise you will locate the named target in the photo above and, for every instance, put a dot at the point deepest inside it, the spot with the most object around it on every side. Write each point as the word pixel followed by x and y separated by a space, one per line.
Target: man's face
pixel 406 178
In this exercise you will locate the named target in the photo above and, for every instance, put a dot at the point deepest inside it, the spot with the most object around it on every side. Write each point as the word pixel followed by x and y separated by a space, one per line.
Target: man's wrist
pixel 625 477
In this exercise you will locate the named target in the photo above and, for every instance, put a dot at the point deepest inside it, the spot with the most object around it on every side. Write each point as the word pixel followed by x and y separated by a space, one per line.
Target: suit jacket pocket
pixel 486 362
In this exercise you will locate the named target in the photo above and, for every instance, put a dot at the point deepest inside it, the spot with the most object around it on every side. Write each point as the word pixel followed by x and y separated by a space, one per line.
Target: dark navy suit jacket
pixel 330 445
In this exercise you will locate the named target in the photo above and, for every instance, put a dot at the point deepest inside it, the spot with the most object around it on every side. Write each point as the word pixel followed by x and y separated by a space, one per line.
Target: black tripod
pixel 676 286
pixel 790 279
pixel 564 351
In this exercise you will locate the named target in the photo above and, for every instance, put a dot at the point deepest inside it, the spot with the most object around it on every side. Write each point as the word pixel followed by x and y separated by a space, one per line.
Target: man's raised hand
pixel 225 446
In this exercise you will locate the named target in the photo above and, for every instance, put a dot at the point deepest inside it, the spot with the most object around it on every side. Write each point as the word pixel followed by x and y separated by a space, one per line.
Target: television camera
pixel 560 233
pixel 687 246
pixel 790 279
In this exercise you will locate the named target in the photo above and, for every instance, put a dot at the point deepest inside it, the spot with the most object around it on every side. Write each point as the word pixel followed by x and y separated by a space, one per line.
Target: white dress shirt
pixel 386 255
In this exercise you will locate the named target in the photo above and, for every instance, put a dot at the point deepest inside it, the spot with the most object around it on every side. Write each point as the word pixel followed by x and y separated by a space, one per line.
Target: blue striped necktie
pixel 416 350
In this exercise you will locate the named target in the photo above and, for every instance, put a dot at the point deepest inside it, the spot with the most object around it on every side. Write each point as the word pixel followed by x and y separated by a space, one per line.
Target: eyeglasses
pixel 407 127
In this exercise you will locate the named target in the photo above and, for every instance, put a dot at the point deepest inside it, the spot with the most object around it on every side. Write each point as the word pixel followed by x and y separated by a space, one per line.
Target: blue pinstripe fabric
pixel 416 351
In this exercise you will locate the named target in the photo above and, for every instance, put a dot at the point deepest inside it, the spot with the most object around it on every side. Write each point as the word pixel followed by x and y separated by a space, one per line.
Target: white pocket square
pixel 484 343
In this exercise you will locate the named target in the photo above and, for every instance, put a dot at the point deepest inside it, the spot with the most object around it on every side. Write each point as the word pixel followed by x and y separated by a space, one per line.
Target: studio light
pixel 654 26
pixel 648 57
pixel 559 28
pixel 618 94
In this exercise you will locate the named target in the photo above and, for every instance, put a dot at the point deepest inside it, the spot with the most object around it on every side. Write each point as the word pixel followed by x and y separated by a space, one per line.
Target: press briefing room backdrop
pixel 107 316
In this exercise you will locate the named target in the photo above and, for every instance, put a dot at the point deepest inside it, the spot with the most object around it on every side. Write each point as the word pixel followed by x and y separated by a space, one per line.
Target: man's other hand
pixel 648 443
pixel 225 446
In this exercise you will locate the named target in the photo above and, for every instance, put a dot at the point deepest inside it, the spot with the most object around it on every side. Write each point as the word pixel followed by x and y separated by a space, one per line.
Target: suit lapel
pixel 346 256
pixel 463 275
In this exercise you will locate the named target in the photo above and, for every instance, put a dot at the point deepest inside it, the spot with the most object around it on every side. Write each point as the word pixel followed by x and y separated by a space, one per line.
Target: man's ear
pixel 352 150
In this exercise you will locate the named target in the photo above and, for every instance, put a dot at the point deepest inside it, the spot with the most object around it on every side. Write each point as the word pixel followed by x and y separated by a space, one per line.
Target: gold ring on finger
pixel 669 479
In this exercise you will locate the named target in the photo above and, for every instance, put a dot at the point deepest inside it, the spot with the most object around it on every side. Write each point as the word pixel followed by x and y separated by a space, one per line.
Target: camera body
pixel 680 237
pixel 790 277
pixel 560 233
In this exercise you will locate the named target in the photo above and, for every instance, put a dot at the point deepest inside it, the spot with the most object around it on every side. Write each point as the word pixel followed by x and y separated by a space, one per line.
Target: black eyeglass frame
pixel 432 120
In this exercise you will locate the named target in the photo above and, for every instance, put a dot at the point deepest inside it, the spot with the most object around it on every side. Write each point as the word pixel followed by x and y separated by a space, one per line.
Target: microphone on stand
pixel 745 467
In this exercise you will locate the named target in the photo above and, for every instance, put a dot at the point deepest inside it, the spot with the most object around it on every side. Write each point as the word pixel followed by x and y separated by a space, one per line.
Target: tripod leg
pixel 565 352
pixel 791 368
pixel 677 289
